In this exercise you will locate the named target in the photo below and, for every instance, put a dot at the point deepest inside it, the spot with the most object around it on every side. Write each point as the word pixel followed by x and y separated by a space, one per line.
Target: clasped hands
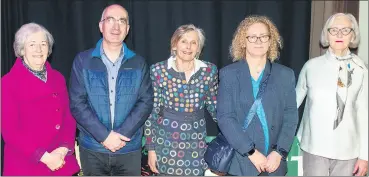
pixel 55 160
pixel 115 141
pixel 266 164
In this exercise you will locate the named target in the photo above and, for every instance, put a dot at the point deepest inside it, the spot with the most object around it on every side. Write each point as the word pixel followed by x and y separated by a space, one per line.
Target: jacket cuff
pixel 101 136
pixel 70 149
pixel 246 152
pixel 150 147
pixel 280 151
pixel 38 154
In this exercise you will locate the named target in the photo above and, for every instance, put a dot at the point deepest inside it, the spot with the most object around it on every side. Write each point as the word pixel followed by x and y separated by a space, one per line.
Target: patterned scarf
pixel 343 83
pixel 39 74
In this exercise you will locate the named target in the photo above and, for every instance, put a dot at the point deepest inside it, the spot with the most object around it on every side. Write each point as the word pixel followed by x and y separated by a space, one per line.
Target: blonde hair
pixel 183 30
pixel 324 35
pixel 238 46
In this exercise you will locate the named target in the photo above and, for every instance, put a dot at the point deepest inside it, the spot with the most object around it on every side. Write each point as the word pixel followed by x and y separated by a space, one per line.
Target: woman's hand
pixel 54 161
pixel 61 150
pixel 273 161
pixel 152 159
pixel 361 167
pixel 259 161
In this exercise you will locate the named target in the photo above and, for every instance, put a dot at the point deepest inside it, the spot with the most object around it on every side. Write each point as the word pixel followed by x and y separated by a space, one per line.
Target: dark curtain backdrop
pixel 74 25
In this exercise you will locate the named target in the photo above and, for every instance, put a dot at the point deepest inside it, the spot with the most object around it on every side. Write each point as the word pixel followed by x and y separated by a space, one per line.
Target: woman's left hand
pixel 61 150
pixel 361 167
pixel 273 161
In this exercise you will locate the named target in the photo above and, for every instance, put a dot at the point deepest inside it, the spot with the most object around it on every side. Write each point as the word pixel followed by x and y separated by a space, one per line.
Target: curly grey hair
pixel 24 32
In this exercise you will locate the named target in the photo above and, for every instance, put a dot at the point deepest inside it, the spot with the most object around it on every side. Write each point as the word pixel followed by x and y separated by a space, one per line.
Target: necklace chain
pixel 183 71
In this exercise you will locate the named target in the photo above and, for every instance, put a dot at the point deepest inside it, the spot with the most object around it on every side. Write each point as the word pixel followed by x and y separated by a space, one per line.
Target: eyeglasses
pixel 345 31
pixel 112 20
pixel 253 39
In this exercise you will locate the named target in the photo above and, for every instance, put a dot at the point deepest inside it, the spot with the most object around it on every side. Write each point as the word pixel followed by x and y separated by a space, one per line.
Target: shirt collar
pixel 120 55
pixel 198 64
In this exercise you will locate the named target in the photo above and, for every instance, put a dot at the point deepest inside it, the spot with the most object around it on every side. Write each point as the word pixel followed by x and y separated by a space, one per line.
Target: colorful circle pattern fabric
pixel 180 144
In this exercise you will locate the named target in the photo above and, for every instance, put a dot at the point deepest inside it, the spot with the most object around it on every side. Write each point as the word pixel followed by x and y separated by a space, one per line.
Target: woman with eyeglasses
pixel 256 108
pixel 333 133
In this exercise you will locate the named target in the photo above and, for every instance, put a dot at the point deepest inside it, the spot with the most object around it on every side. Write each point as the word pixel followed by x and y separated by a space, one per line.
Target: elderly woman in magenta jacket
pixel 37 126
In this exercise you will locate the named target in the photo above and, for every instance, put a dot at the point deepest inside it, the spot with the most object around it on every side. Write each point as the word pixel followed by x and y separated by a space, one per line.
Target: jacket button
pixel 55 94
pixel 272 128
pixel 57 127
pixel 57 110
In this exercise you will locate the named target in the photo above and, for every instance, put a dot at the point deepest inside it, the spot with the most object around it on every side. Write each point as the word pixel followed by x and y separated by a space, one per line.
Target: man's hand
pixel 273 161
pixel 259 161
pixel 115 141
pixel 361 168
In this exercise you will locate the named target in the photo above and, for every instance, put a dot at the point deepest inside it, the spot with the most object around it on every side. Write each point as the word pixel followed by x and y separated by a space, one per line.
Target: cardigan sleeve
pixel 211 99
pixel 301 86
pixel 362 116
pixel 151 125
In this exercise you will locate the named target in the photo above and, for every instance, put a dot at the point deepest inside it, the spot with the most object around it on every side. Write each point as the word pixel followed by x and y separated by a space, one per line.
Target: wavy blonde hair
pixel 238 46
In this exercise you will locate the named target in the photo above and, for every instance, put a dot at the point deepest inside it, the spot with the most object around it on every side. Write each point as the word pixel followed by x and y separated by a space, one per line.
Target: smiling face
pixel 340 33
pixel 187 46
pixel 36 49
pixel 258 48
pixel 114 25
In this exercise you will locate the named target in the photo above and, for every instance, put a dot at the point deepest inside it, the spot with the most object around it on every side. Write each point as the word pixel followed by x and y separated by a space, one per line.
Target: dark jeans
pixel 102 164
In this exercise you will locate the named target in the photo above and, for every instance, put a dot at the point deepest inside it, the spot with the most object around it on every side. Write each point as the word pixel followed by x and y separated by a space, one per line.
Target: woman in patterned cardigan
pixel 183 86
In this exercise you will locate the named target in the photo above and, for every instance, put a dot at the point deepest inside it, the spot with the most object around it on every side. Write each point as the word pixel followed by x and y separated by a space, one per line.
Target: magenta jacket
pixel 35 118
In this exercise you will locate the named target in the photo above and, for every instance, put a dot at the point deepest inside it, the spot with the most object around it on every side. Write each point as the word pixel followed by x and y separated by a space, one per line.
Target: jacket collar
pixel 128 54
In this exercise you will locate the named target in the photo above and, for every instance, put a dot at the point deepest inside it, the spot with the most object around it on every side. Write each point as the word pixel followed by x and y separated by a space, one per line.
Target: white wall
pixel 363 25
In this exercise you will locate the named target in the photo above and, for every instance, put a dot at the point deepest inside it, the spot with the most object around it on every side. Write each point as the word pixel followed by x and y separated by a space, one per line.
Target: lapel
pixel 245 86
pixel 269 97
pixel 246 93
pixel 34 85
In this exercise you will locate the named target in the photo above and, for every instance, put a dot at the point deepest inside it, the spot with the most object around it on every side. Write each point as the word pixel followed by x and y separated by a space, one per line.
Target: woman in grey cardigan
pixel 333 133
pixel 263 141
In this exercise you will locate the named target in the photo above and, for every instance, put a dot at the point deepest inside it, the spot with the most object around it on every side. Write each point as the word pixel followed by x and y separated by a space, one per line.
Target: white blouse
pixel 318 80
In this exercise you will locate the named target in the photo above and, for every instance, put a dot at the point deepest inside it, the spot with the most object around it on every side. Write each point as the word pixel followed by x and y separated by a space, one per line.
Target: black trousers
pixel 102 164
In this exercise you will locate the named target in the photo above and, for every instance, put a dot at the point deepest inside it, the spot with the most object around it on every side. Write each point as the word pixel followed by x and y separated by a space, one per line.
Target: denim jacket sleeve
pixel 80 108
pixel 141 109
pixel 227 117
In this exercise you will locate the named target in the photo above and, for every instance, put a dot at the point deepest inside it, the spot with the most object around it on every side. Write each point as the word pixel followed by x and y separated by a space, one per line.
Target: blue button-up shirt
pixel 113 69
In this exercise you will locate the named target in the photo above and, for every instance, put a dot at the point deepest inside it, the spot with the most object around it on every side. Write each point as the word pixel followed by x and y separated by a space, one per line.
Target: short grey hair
pixel 183 30
pixel 354 25
pixel 106 8
pixel 24 32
